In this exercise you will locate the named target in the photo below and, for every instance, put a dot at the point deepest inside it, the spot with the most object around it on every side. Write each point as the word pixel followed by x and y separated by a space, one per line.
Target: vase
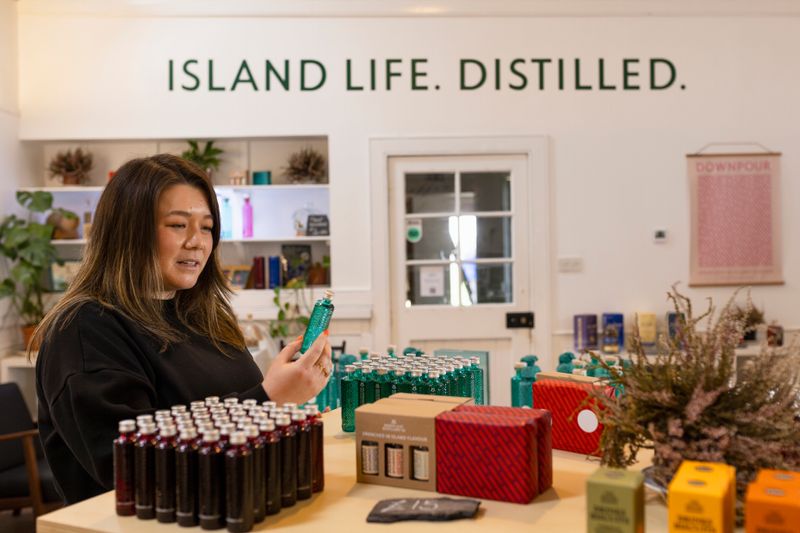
pixel 27 336
pixel 72 178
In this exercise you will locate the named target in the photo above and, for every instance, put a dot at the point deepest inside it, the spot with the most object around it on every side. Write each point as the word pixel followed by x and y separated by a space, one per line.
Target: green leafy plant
pixel 306 165
pixel 73 167
pixel 293 313
pixel 207 158
pixel 28 251
pixel 690 402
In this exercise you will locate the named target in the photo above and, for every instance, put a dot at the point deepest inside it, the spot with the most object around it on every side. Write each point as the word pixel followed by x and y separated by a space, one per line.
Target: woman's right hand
pixel 299 381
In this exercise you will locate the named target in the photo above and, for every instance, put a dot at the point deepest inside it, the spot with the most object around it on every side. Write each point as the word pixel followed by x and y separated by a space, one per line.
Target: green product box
pixel 615 501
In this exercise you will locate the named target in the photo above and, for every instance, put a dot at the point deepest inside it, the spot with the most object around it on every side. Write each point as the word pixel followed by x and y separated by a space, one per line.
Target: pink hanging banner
pixel 736 222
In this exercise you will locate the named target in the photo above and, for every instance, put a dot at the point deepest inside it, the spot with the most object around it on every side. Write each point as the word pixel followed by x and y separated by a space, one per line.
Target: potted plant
pixel 306 166
pixel 208 158
pixel 64 222
pixel 73 167
pixel 28 251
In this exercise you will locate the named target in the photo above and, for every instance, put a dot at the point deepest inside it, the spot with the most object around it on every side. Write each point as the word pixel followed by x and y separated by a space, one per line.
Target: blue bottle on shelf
pixel 227 219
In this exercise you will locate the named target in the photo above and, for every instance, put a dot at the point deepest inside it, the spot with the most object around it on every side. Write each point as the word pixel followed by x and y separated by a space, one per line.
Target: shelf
pixel 99 188
pixel 68 242
pixel 286 239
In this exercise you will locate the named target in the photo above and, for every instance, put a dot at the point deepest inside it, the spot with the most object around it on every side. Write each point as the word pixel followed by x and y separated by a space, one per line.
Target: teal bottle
pixel 391 349
pixel 319 321
pixel 477 380
pixel 383 385
pixel 368 377
pixel 451 380
pixel 437 387
pixel 516 385
pixel 415 382
pixel 227 219
pixel 398 376
pixel 464 381
pixel 593 366
pixel 530 361
pixel 565 363
pixel 410 350
pixel 349 399
pixel 363 353
pixel 324 395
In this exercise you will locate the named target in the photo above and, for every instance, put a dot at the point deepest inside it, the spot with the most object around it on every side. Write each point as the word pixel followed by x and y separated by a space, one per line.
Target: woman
pixel 146 324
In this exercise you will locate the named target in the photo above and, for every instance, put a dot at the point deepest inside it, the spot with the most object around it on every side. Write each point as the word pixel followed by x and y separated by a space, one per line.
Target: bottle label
pixel 369 458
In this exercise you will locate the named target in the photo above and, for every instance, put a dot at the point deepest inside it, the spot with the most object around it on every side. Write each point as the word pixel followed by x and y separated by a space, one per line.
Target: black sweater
pixel 104 368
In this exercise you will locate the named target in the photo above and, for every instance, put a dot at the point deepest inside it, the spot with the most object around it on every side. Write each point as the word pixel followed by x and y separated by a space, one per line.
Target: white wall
pixel 617 158
pixel 9 145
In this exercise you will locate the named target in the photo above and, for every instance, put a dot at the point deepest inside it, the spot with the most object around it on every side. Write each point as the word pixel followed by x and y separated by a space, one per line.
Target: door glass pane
pixel 485 191
pixel 431 284
pixel 488 284
pixel 484 237
pixel 430 192
pixel 438 239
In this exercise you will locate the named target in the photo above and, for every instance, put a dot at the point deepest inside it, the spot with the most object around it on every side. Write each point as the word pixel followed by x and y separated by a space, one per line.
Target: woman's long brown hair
pixel 120 266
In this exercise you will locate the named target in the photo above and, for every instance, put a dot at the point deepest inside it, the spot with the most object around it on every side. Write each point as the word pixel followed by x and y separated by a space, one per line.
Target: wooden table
pixel 344 505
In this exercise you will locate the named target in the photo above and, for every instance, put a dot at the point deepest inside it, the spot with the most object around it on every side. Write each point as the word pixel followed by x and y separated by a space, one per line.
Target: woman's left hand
pixel 299 381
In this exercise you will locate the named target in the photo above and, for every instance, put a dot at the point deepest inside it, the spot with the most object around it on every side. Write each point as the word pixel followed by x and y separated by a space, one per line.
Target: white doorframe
pixel 539 198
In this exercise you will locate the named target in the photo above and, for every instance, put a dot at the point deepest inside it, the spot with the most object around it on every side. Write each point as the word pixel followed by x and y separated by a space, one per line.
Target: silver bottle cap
pixel 298 415
pixel 328 294
pixel 212 435
pixel 312 410
pixel 226 429
pixel 283 420
pixel 168 431
pixel 250 431
pixel 289 407
pixel 147 429
pixel 211 400
pixel 266 425
pixel 269 405
pixel 127 426
pixel 238 437
pixel 249 403
pixel 144 419
pixel 188 433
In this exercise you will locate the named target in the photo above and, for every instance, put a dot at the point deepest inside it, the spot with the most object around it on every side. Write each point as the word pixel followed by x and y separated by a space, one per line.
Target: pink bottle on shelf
pixel 247 218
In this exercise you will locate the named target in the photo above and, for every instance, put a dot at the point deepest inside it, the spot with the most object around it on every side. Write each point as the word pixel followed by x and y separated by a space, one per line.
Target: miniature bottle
pixel 368 376
pixel 124 446
pixel 565 363
pixel 227 219
pixel 391 349
pixel 516 385
pixel 363 353
pixel 272 459
pixel 319 321
pixel 317 448
pixel 304 456
pixel 247 218
pixel 256 441
pixel 288 447
pixel 211 485
pixel 164 456
pixel 186 504
pixel 144 478
pixel 239 502
pixel 383 387
pixel 476 373
pixel 349 399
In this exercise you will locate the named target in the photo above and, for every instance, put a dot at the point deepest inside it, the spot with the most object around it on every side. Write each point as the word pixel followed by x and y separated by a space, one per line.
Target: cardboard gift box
pixel 575 425
pixel 699 499
pixel 396 440
pixel 544 435
pixel 615 501
pixel 772 508
pixel 490 456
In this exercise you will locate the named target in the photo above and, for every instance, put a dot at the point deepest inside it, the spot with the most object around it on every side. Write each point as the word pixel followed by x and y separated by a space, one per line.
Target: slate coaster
pixel 431 509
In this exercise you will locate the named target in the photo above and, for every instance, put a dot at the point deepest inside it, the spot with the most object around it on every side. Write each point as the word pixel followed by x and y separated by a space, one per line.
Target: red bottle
pixel 304 471
pixel 144 478
pixel 288 448
pixel 124 468
pixel 257 441
pixel 186 477
pixel 317 448
pixel 239 502
pixel 165 474
pixel 211 482
pixel 272 460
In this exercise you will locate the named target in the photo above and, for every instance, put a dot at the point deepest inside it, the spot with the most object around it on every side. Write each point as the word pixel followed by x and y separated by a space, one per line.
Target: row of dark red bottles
pixel 221 478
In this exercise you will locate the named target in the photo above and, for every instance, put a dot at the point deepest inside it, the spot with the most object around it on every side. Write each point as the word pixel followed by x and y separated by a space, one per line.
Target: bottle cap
pixel 289 407
pixel 212 435
pixel 328 294
pixel 312 410
pixel 250 431
pixel 188 433
pixel 275 413
pixel 211 400
pixel 238 437
pixel 185 424
pixel 269 405
pixel 229 402
pixel 382 371
pixel 161 413
pixel 249 403
pixel 226 429
pixel 144 419
pixel 363 350
pixel 433 374
pixel 475 360
pixel 266 426
pixel 194 405
pixel 416 373
pixel 147 429
pixel 349 369
pixel 282 420
pixel 298 416
pixel 168 431
pixel 178 409
pixel 519 365
pixel 203 428
pixel 127 426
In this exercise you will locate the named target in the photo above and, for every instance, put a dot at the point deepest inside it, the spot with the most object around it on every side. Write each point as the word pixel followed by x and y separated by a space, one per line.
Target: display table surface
pixel 344 504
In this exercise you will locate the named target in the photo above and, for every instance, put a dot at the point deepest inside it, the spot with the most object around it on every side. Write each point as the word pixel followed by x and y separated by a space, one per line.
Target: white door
pixel 459 257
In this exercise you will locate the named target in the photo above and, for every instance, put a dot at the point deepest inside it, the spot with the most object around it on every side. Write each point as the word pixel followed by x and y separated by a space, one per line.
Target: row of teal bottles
pixel 522 381
pixel 589 365
pixel 380 376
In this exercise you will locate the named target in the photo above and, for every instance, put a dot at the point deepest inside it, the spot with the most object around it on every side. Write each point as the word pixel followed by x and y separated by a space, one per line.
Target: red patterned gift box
pixel 544 435
pixel 486 456
pixel 575 425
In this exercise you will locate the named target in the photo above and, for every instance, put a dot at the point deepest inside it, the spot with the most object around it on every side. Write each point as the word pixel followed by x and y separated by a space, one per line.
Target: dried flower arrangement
pixel 752 317
pixel 306 165
pixel 73 167
pixel 687 403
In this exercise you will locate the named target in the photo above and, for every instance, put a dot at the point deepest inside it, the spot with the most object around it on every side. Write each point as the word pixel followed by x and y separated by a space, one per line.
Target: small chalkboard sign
pixel 318 226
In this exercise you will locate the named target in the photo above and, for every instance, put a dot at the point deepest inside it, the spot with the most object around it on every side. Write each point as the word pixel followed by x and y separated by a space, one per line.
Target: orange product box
pixel 778 478
pixel 772 508
pixel 699 468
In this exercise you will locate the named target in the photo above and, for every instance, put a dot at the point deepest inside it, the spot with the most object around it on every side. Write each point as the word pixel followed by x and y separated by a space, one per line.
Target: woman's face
pixel 184 237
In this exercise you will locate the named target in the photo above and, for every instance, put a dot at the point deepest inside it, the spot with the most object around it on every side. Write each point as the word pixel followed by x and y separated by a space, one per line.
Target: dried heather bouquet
pixel 306 165
pixel 687 403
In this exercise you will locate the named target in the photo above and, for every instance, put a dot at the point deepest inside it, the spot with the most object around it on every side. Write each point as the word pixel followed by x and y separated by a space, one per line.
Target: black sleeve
pixel 256 393
pixel 92 377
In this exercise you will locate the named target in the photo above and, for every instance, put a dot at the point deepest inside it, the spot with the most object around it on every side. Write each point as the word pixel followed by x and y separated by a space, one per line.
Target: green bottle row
pixel 380 376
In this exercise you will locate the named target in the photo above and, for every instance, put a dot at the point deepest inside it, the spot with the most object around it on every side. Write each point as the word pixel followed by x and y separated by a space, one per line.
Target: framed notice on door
pixel 735 219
